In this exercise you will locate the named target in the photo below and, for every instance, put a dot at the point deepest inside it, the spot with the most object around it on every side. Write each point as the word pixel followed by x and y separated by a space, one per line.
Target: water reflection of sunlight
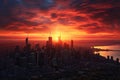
pixel 115 54
pixel 111 47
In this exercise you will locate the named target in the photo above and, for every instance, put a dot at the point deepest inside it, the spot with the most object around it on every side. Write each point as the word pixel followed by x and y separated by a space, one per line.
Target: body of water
pixel 115 54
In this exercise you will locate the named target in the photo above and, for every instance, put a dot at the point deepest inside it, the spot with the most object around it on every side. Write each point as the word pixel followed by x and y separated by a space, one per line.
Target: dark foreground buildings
pixel 57 61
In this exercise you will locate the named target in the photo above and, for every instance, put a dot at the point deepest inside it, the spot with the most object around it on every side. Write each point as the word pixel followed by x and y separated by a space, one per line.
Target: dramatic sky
pixel 73 19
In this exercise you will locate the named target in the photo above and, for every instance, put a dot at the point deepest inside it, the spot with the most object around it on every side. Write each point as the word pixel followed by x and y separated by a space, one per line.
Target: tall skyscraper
pixel 26 41
pixel 28 45
pixel 72 44
pixel 50 41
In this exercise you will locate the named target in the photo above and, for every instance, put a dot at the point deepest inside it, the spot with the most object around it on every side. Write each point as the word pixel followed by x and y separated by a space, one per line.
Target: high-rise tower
pixel 50 41
pixel 26 41
pixel 72 44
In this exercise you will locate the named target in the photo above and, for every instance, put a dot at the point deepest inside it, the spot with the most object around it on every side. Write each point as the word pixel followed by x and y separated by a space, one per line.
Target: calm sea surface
pixel 115 54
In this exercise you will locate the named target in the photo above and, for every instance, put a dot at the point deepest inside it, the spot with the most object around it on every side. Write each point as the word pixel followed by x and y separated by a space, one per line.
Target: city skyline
pixel 59 39
pixel 83 20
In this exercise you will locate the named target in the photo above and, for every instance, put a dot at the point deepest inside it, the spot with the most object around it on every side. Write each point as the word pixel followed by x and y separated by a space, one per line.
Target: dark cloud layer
pixel 106 12
pixel 92 16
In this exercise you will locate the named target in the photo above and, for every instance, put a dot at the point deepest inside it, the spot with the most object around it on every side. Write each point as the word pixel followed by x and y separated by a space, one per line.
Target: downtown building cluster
pixel 52 59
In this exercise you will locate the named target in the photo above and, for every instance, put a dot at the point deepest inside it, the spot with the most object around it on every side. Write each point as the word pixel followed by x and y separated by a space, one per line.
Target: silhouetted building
pixel 50 41
pixel 37 47
pixel 72 44
pixel 65 59
pixel 117 60
pixel 66 46
pixel 17 49
pixel 27 47
pixel 108 57
pixel 111 57
pixel 26 41
pixel 41 58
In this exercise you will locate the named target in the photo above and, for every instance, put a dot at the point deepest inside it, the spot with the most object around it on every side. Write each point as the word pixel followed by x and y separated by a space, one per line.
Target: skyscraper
pixel 72 44
pixel 28 45
pixel 50 41
pixel 26 41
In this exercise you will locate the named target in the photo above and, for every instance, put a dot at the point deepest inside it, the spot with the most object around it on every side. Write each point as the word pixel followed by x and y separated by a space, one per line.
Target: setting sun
pixel 58 34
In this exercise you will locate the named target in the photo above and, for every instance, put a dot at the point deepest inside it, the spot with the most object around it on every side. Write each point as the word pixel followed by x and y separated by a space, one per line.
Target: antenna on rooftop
pixel 27 35
pixel 50 34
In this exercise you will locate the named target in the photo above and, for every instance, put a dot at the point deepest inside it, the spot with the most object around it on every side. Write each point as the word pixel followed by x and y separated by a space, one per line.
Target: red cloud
pixel 97 16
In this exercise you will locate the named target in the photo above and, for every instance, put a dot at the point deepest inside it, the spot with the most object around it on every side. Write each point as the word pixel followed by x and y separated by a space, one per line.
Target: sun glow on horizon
pixel 62 35
pixel 57 30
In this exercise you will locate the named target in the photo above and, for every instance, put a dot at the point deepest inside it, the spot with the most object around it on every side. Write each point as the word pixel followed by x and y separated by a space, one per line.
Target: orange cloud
pixel 84 19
